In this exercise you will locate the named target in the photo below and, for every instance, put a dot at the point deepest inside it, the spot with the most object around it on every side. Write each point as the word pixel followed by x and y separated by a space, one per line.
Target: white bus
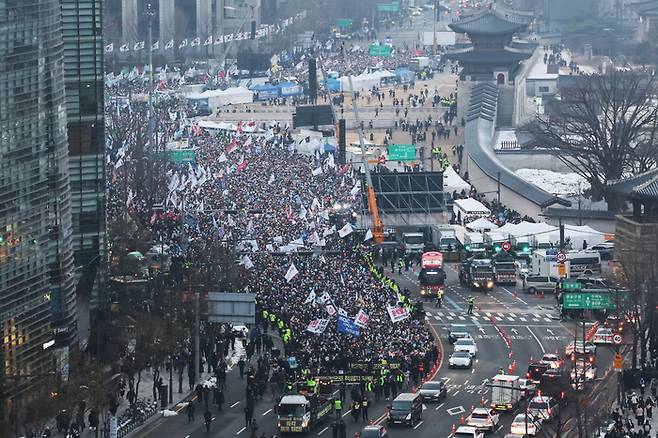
pixel 584 263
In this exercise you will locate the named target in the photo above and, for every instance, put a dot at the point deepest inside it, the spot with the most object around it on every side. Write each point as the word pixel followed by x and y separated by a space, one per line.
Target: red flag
pixel 240 127
pixel 242 166
pixel 231 147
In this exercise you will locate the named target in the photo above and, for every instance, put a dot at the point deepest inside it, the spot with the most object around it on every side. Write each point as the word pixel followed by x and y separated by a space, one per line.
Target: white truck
pixel 505 392
pixel 418 63
pixel 544 263
pixel 444 237
pixel 413 242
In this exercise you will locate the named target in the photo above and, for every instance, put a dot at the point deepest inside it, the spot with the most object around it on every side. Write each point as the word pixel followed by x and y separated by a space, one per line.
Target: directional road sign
pixel 587 301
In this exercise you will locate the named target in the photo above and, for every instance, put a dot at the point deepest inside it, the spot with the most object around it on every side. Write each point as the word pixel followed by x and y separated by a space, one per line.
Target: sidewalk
pixel 629 421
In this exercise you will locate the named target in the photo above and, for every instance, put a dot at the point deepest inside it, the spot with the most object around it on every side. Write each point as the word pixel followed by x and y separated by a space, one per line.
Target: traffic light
pixel 525 248
pixel 467 247
pixel 497 248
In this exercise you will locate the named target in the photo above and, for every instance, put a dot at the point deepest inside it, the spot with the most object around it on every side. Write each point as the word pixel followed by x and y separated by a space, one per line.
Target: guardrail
pixel 134 417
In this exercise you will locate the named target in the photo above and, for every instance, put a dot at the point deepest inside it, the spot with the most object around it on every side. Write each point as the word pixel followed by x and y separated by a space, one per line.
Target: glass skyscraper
pixel 37 298
pixel 83 75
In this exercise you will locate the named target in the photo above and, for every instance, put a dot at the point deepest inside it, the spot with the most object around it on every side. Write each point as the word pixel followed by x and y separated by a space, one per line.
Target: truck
pixel 477 273
pixel 505 392
pixel 301 412
pixel 413 242
pixel 432 277
pixel 504 268
pixel 418 63
pixel 444 238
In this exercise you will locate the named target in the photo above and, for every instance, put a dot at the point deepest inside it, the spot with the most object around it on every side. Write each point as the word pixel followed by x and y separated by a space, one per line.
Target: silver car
pixel 460 359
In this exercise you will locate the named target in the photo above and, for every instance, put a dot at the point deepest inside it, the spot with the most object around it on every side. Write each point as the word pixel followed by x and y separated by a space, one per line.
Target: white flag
pixel 310 298
pixel 361 319
pixel 231 222
pixel 347 229
pixel 329 232
pixel 315 205
pixel 368 236
pixel 356 189
pixel 271 180
pixel 397 314
pixel 109 48
pixel 222 158
pixel 302 212
pixel 314 239
pixel 317 171
pixel 292 272
pixel 246 262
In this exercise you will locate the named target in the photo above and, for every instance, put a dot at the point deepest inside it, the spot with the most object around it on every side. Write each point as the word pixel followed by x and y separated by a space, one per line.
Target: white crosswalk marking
pixel 488 314
pixel 452 314
pixel 450 317
pixel 437 317
pixel 476 314
pixel 510 317
pixel 547 319
pixel 462 318
pixel 522 319
pixel 536 315
pixel 500 315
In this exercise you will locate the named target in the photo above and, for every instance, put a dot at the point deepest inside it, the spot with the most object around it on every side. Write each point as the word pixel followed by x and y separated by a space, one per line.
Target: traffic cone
pixel 454 428
pixel 482 402
pixel 461 420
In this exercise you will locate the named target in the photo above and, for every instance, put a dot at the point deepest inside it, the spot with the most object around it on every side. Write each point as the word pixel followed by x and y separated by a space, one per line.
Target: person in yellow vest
pixel 312 385
pixel 338 407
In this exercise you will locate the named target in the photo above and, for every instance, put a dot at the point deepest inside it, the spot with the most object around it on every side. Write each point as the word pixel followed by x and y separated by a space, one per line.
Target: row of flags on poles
pixel 208 41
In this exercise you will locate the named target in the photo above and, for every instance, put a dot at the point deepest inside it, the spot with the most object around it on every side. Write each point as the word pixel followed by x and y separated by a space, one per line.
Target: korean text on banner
pixel 346 325
pixel 361 319
pixel 397 314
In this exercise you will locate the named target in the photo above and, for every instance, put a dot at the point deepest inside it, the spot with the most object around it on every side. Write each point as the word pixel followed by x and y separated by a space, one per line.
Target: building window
pixel 543 89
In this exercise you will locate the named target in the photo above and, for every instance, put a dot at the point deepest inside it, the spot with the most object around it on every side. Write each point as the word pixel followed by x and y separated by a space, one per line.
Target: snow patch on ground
pixel 560 184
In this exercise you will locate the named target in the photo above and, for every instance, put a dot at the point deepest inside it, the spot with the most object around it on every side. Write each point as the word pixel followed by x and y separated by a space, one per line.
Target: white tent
pixel 469 207
pixel 576 235
pixel 365 81
pixel 230 96
pixel 481 224
pixel 452 181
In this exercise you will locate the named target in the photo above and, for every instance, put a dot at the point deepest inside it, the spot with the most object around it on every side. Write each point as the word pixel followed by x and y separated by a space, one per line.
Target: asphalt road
pixel 508 326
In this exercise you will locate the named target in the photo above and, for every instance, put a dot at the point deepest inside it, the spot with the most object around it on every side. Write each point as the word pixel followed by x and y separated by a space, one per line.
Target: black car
pixel 374 431
pixel 406 409
pixel 433 391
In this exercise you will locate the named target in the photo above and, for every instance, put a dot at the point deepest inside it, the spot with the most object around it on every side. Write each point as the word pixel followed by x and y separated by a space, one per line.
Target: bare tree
pixel 603 128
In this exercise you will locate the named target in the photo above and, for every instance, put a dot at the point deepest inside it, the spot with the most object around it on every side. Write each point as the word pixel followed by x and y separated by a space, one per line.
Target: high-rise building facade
pixel 83 75
pixel 37 298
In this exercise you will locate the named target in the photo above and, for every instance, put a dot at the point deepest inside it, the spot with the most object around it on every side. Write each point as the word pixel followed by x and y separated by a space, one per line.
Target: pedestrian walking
pixel 248 415
pixel 356 410
pixel 190 411
pixel 241 365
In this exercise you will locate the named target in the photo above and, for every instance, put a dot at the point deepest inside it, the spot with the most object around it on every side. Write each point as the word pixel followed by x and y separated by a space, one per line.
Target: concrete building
pixel 83 75
pixel 37 298
pixel 646 12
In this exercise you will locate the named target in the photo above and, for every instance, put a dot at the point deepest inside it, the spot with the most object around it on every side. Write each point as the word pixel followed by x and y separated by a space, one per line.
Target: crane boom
pixel 377 224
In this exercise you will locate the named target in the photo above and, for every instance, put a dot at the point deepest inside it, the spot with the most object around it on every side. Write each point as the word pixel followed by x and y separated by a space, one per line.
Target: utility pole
pixel 197 335
pixel 436 17
pixel 498 189
pixel 150 13
pixel 561 235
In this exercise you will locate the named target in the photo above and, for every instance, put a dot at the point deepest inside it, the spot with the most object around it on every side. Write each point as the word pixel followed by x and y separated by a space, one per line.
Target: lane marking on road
pixel 456 410
pixel 418 425
pixel 235 404
pixel 465 382
pixel 536 315
pixel 456 392
pixel 472 370
pixel 515 296
pixel 323 431
pixel 522 319
pixel 241 430
pixel 439 406
pixel 500 427
pixel 537 339
pixel 267 412
pixel 346 413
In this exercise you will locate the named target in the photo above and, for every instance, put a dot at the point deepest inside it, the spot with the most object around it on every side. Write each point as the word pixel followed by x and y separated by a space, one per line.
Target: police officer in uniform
pixel 439 298
pixel 471 302
pixel 364 407
pixel 338 406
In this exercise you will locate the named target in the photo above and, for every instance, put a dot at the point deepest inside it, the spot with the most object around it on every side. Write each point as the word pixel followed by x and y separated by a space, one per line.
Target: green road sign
pixel 388 7
pixel 587 301
pixel 571 285
pixel 181 155
pixel 380 50
pixel 402 152
pixel 344 22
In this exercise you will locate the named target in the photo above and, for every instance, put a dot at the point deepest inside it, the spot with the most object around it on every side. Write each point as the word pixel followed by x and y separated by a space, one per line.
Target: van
pixel 539 283
pixel 407 409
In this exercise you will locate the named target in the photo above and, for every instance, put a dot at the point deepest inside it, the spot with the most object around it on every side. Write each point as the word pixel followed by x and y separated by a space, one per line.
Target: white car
pixel 587 370
pixel 552 360
pixel 603 335
pixel 589 348
pixel 468 432
pixel 483 419
pixel 521 426
pixel 416 14
pixel 543 408
pixel 460 359
pixel 468 345
pixel 527 386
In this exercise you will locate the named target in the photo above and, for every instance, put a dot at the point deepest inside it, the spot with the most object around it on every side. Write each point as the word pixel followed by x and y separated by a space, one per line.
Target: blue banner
pixel 346 325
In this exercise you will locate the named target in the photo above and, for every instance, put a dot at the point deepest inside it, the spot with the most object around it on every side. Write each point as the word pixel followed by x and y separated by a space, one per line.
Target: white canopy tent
pixel 230 96
pixel 481 224
pixel 463 208
pixel 577 235
pixel 365 81
pixel 452 181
